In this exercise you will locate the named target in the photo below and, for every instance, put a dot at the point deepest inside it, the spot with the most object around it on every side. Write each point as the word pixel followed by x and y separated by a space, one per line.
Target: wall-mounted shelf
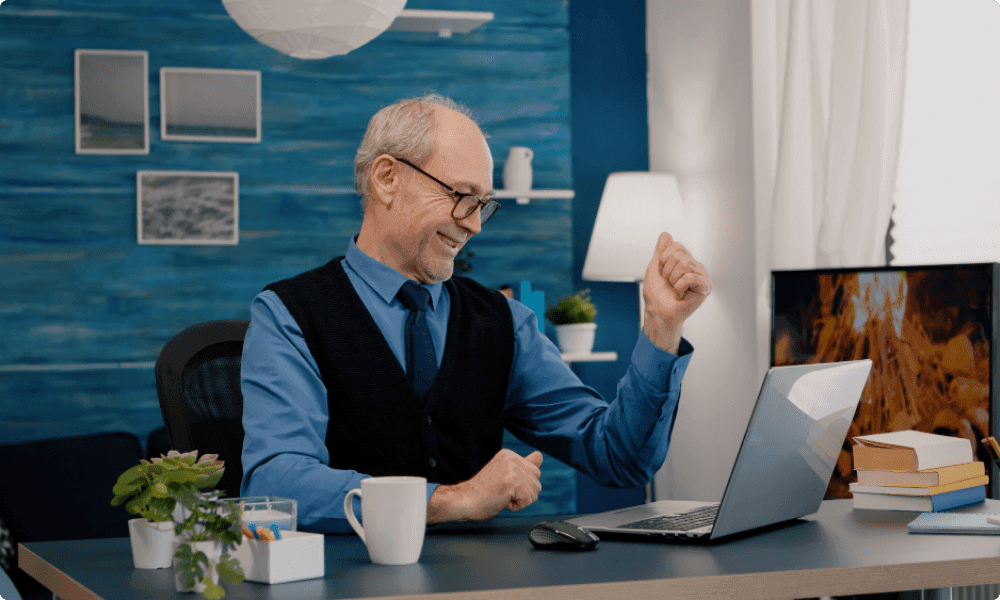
pixel 524 197
pixel 442 22
pixel 589 357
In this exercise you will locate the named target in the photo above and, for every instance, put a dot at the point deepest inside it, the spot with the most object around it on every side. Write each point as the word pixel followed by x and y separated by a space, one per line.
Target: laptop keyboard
pixel 692 519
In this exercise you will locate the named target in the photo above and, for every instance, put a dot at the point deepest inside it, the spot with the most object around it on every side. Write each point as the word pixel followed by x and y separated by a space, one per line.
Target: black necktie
pixel 421 361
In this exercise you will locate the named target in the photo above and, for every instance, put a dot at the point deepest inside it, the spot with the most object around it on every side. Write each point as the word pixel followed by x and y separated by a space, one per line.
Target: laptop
pixel 789 450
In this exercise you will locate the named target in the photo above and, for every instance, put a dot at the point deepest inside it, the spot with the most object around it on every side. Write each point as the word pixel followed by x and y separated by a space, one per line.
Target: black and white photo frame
pixel 187 207
pixel 111 89
pixel 210 105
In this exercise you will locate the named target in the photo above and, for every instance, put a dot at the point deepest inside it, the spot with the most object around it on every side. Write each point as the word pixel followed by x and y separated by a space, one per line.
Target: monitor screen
pixel 930 332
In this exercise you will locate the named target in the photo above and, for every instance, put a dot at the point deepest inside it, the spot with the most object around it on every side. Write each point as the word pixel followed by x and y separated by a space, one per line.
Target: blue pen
pixel 277 532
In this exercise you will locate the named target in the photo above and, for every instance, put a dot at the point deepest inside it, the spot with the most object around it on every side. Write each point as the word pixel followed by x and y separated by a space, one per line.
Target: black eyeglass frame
pixel 487 206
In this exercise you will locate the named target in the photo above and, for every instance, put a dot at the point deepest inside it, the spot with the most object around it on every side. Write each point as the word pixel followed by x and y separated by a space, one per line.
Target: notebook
pixel 955 523
pixel 783 467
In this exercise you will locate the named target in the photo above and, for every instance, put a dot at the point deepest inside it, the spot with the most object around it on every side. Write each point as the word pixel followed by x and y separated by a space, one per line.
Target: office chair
pixel 198 384
pixel 60 489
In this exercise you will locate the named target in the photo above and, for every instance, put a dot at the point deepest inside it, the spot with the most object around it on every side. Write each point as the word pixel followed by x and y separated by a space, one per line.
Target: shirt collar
pixel 382 278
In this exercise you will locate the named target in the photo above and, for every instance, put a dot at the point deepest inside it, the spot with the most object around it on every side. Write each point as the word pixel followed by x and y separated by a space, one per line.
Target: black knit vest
pixel 378 425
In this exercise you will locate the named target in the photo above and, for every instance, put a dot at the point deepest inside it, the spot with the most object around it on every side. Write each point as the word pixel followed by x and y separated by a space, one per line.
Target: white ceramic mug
pixel 394 510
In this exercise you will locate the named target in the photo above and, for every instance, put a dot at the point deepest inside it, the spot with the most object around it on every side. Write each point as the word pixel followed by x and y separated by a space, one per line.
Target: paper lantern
pixel 313 29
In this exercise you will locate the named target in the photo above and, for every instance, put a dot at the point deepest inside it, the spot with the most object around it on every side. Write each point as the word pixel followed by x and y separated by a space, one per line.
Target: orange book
pixel 919 491
pixel 927 478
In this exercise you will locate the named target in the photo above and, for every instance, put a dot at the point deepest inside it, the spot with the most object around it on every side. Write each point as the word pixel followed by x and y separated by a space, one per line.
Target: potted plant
pixel 205 537
pixel 152 490
pixel 573 317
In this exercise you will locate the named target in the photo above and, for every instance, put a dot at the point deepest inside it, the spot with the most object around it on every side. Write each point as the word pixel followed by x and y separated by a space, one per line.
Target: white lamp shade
pixel 635 208
pixel 314 28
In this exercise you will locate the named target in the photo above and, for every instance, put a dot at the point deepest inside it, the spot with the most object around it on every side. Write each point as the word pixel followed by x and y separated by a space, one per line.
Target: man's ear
pixel 384 179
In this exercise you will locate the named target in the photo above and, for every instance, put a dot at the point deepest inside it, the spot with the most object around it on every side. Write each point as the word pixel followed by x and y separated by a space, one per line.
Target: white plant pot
pixel 152 543
pixel 213 550
pixel 577 338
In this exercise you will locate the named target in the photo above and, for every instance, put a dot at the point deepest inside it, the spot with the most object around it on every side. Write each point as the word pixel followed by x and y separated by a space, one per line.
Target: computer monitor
pixel 930 331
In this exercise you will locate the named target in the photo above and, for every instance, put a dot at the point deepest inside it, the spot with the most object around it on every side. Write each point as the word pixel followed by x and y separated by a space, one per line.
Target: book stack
pixel 917 471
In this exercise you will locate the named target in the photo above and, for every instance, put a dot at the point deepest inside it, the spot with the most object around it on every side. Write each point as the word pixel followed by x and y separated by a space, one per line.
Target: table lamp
pixel 635 208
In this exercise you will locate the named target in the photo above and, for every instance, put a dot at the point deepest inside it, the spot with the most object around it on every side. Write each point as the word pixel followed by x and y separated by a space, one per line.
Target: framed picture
pixel 112 101
pixel 209 105
pixel 188 207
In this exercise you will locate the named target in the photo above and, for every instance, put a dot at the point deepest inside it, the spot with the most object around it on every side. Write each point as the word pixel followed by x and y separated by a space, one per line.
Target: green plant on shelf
pixel 576 308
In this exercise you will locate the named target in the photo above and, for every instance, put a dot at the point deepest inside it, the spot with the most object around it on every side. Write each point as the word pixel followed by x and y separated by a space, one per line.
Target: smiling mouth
pixel 451 243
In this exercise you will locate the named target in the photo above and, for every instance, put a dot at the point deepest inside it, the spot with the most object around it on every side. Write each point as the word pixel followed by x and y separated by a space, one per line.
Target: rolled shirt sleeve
pixel 621 442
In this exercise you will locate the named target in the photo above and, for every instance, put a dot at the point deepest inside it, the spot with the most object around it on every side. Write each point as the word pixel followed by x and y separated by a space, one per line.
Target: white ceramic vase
pixel 576 338
pixel 517 173
pixel 213 550
pixel 152 543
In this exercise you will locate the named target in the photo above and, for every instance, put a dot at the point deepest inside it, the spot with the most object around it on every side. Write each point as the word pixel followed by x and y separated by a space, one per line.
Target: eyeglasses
pixel 465 204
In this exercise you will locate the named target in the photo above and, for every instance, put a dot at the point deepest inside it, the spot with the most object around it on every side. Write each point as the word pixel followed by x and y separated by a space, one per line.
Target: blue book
pixel 935 503
pixel 954 523
pixel 963 497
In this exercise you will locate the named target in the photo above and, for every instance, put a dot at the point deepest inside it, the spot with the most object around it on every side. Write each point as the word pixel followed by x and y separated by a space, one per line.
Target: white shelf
pixel 442 22
pixel 589 357
pixel 524 196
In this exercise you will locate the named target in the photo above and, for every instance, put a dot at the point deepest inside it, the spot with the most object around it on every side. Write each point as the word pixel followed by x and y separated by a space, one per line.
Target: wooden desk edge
pixel 59 583
pixel 757 586
pixel 749 586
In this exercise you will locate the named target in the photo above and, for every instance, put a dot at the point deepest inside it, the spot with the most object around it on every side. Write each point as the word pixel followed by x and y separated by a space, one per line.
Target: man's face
pixel 425 237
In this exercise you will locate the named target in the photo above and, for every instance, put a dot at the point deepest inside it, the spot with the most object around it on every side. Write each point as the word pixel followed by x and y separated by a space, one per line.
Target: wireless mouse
pixel 559 535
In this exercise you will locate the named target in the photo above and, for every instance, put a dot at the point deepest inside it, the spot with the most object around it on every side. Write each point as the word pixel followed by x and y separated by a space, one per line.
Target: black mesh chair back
pixel 198 384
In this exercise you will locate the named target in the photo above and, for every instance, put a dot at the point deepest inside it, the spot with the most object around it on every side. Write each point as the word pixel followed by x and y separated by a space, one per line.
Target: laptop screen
pixel 791 444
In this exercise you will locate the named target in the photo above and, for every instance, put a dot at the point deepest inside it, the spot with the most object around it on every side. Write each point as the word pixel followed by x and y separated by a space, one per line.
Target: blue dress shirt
pixel 285 410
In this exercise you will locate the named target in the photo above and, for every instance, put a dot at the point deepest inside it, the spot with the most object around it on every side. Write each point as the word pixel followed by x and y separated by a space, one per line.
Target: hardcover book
pixel 920 491
pixel 934 503
pixel 910 451
pixel 926 478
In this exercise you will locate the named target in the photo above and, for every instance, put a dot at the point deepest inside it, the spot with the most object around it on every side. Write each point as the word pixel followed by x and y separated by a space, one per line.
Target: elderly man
pixel 382 363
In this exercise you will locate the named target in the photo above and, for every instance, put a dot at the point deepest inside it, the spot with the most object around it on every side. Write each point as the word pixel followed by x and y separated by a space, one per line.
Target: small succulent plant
pixel 577 308
pixel 153 488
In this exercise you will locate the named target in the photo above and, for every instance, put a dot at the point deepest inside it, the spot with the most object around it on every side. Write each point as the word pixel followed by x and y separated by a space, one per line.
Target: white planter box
pixel 152 543
pixel 577 338
pixel 297 555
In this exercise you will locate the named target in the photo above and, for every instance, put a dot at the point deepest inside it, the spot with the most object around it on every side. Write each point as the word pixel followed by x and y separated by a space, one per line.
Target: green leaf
pixel 180 476
pixel 230 570
pixel 159 490
pixel 213 591
pixel 137 506
pixel 188 564
pixel 126 488
pixel 132 476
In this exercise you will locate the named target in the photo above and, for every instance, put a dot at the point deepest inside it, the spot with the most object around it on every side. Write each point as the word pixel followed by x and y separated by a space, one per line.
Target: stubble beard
pixel 441 270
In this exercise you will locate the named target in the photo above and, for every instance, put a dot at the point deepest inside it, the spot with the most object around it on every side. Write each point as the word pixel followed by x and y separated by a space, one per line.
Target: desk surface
pixel 836 551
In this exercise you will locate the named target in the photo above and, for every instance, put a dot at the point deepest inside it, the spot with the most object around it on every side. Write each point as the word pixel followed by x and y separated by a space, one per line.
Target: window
pixel 947 205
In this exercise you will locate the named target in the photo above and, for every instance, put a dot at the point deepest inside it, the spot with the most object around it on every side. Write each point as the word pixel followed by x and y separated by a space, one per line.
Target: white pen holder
pixel 296 556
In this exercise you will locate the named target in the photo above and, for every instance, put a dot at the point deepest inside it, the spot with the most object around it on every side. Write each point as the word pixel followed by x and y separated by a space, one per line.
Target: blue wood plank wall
pixel 79 292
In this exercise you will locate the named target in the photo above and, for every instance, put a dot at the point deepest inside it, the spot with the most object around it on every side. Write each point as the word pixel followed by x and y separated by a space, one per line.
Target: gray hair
pixel 404 129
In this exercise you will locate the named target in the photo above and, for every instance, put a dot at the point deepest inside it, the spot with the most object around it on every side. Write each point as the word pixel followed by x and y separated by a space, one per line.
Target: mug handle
pixel 349 511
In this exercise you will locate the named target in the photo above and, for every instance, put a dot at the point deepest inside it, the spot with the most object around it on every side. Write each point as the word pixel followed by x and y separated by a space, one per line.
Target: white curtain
pixel 828 93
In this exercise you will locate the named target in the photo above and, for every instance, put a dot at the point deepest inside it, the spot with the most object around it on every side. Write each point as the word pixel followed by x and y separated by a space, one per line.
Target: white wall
pixel 700 129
